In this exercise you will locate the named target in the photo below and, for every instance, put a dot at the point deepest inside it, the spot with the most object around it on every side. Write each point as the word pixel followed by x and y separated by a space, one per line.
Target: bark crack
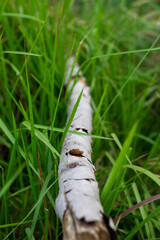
pixel 83 129
pixel 80 179
pixel 74 164
pixel 76 152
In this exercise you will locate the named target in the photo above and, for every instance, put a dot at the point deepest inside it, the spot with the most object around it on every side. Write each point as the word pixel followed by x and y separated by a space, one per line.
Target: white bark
pixel 78 204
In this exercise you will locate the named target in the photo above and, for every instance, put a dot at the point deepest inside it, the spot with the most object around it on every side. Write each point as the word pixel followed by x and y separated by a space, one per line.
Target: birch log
pixel 78 204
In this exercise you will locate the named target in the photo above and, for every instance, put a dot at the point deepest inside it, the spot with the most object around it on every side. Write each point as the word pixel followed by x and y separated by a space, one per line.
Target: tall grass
pixel 117 45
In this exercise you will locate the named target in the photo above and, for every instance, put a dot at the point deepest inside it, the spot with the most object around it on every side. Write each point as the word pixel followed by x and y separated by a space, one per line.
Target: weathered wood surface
pixel 78 204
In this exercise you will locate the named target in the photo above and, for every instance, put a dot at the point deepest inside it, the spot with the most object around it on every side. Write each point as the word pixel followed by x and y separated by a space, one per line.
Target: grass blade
pixel 137 228
pixel 146 172
pixel 39 200
pixel 70 119
pixel 117 166
pixel 12 179
pixel 43 139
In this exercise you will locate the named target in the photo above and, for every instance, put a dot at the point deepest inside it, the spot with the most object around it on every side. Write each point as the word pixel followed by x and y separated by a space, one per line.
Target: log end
pixel 79 229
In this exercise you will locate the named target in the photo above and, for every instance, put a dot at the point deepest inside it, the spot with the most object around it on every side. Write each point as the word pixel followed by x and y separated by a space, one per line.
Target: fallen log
pixel 78 204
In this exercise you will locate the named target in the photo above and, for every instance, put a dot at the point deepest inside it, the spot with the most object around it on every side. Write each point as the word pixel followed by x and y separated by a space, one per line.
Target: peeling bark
pixel 78 204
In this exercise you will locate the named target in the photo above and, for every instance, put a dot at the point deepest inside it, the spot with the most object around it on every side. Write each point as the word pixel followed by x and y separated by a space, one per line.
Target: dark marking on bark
pixel 73 165
pixel 83 80
pixel 87 179
pixel 77 129
pixel 90 179
pixel 90 161
pixel 68 191
pixel 76 152
pixel 84 130
pixel 79 179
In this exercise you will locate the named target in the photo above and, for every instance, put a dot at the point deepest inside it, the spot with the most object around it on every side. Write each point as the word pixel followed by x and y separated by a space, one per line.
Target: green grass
pixel 117 45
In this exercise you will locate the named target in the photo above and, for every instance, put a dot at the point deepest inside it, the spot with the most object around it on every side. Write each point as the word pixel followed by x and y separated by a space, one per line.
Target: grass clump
pixel 117 44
